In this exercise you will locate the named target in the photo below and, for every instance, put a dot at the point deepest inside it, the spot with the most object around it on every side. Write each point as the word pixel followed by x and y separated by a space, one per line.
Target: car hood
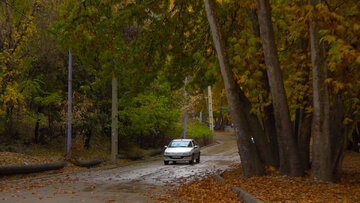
pixel 178 149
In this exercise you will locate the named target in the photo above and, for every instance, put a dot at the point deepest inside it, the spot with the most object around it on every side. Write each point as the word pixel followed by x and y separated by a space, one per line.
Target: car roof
pixel 182 139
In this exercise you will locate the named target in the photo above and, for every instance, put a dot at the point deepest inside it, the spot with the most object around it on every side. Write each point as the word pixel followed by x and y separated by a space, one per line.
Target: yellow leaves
pixel 328 80
pixel 11 96
pixel 347 121
pixel 335 85
pixel 357 61
pixel 356 27
pixel 328 38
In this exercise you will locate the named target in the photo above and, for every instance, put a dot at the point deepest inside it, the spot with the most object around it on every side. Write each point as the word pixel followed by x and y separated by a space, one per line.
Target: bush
pixel 199 132
pixel 149 119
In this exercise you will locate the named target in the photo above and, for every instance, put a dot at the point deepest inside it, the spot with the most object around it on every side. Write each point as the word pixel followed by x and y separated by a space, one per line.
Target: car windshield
pixel 180 144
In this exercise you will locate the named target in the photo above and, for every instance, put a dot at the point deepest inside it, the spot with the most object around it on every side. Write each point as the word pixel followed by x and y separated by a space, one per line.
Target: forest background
pixel 151 46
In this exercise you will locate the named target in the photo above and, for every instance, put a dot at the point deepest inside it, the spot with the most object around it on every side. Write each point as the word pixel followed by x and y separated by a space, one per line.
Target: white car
pixel 182 150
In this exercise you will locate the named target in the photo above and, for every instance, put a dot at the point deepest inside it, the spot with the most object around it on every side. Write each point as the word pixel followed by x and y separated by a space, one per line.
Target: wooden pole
pixel 69 118
pixel 211 124
pixel 114 120
pixel 185 109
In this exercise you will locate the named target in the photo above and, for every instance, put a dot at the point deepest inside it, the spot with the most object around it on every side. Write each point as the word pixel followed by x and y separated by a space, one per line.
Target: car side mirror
pixel 196 146
pixel 165 146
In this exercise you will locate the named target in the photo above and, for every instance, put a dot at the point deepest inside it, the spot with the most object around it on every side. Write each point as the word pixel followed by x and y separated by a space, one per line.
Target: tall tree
pixel 289 158
pixel 250 159
pixel 321 156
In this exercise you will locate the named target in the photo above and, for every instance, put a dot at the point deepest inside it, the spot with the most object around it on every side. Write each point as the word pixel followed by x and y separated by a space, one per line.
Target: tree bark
pixel 289 158
pixel 321 149
pixel 269 139
pixel 262 143
pixel 303 132
pixel 338 134
pixel 270 132
pixel 251 163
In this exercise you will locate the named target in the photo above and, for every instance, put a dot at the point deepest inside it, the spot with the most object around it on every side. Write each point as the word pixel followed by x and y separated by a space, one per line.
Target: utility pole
pixel 114 119
pixel 185 109
pixel 69 118
pixel 211 124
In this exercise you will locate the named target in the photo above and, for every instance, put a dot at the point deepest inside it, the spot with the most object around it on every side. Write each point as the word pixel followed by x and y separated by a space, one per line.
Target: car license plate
pixel 176 157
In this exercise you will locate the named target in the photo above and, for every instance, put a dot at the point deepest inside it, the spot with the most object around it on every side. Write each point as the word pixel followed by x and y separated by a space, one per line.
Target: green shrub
pixel 150 119
pixel 200 132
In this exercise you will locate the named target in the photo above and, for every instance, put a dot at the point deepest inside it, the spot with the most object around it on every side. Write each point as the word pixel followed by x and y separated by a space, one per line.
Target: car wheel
pixel 166 162
pixel 198 159
pixel 192 159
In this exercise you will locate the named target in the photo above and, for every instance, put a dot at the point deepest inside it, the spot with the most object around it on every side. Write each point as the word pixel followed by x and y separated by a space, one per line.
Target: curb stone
pixel 242 194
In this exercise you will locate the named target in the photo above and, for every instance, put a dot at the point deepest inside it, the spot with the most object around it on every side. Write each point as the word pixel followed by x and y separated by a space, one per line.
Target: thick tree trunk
pixel 355 139
pixel 270 132
pixel 337 133
pixel 289 158
pixel 271 151
pixel 268 157
pixel 321 149
pixel 251 163
pixel 303 134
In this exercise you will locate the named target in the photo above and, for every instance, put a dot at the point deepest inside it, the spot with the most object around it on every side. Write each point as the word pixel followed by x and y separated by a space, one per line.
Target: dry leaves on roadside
pixel 207 190
pixel 283 188
pixel 12 158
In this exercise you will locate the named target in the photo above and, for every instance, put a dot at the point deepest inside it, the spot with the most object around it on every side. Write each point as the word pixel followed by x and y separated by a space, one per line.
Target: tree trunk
pixel 251 163
pixel 289 158
pixel 271 151
pixel 114 120
pixel 270 132
pixel 31 168
pixel 337 133
pixel 321 149
pixel 303 132
pixel 262 143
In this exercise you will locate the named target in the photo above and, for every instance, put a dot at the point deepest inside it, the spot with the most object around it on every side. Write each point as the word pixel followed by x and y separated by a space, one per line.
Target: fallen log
pixel 31 168
pixel 89 163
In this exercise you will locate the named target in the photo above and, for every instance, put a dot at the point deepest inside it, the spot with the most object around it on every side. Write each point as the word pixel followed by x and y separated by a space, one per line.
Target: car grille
pixel 177 157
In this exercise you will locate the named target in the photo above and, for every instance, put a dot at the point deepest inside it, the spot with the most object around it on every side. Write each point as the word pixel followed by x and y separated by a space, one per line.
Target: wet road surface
pixel 132 183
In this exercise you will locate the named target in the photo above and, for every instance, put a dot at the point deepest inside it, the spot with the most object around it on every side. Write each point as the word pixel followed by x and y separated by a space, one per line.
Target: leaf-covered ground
pixel 12 158
pixel 276 188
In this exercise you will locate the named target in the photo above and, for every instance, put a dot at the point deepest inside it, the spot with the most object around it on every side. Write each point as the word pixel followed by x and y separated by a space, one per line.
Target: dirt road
pixel 133 183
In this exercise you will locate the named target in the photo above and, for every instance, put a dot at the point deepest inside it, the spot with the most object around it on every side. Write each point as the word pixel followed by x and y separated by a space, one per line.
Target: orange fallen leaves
pixel 12 158
pixel 283 188
pixel 207 190
pixel 277 188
